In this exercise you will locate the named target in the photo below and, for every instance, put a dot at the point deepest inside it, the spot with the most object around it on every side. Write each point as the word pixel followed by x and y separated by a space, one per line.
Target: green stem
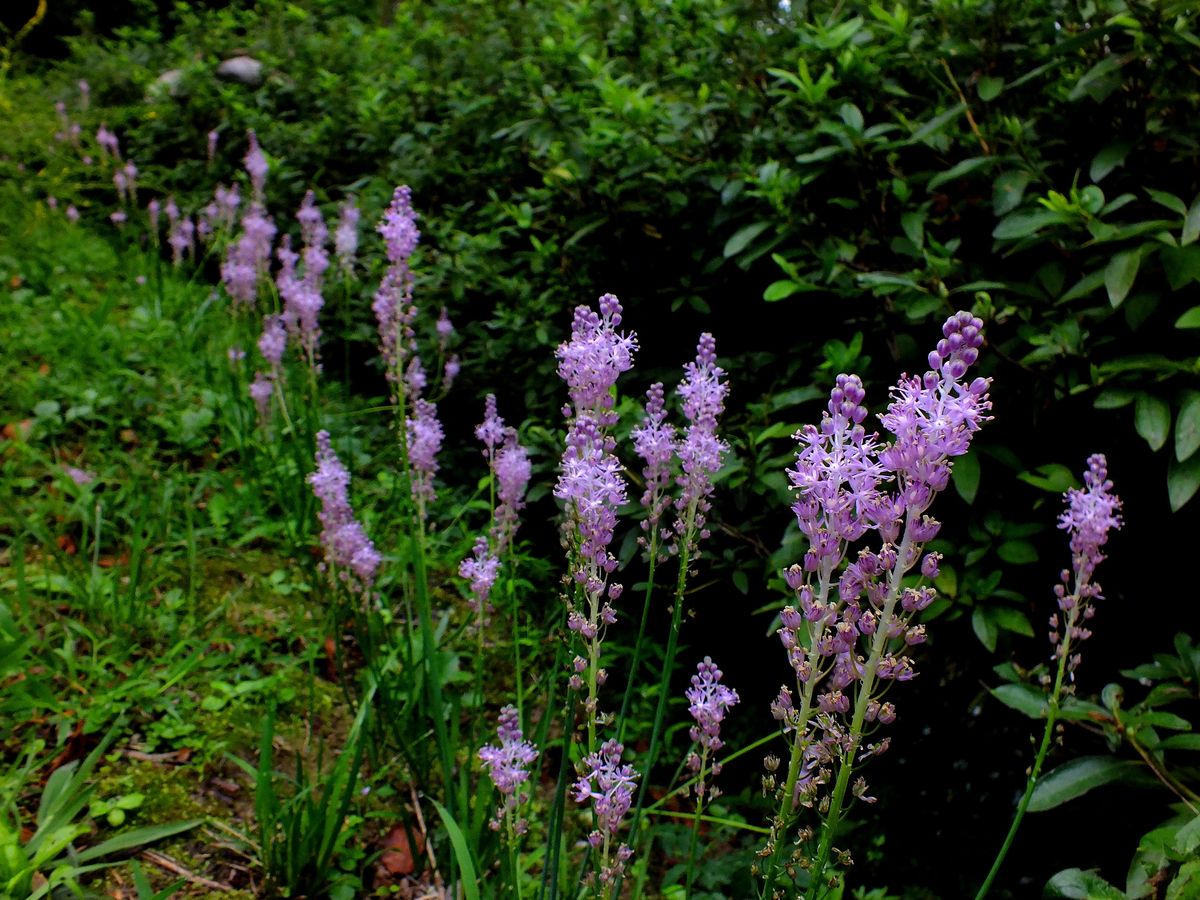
pixel 664 683
pixel 1052 709
pixel 695 837
pixel 641 636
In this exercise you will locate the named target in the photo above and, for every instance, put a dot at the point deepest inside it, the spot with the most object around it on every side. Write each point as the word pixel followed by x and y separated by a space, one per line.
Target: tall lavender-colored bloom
pixel 508 767
pixel 1090 514
pixel 513 470
pixel 345 238
pixel 590 480
pixel 301 293
pixel 654 441
pixel 609 786
pixel 273 341
pixel 393 306
pixel 108 142
pixel 256 166
pixel 182 239
pixel 424 443
pixel 703 394
pixel 349 553
pixel 708 703
pixel 248 258
pixel 213 136
pixel 480 569
pixel 490 432
pixel 261 389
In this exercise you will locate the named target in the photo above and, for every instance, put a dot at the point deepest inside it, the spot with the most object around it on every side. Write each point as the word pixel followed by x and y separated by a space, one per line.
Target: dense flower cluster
pixel 508 764
pixel 654 441
pixel 480 569
pixel 349 553
pixel 609 786
pixel 393 307
pixel 703 394
pixel 345 238
pixel 849 632
pixel 424 442
pixel 708 703
pixel 1090 514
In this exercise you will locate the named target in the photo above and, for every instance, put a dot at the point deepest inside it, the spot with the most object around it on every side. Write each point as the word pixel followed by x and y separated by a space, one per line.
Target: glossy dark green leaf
pixel 965 476
pixel 1191 223
pixel 989 87
pixel 743 236
pixel 1080 885
pixel 1120 274
pixel 1008 191
pixel 1183 480
pixel 984 628
pixel 1074 779
pixel 1023 698
pixel 1108 159
pixel 1190 319
pixel 1152 419
pixel 1187 427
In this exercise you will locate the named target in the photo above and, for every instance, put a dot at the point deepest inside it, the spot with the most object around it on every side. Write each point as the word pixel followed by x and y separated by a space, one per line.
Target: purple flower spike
pixel 424 442
pixel 609 786
pixel 513 470
pixel 490 432
pixel 654 442
pixel 273 341
pixel 345 238
pixel 709 701
pixel 703 394
pixel 1090 514
pixel 508 764
pixel 349 553
pixel 480 569
pixel 256 166
pixel 393 307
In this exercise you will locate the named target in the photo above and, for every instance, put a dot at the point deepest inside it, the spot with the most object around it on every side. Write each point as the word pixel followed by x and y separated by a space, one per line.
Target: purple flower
pixel 256 166
pixel 249 257
pixel 85 93
pixel 345 238
pixel 445 329
pixel 654 442
pixel 933 418
pixel 1090 514
pixel 512 468
pixel 450 371
pixel 708 702
pixel 227 201
pixel 261 389
pixel 302 301
pixel 72 214
pixel 424 442
pixel 108 142
pixel 118 218
pixel 480 569
pixel 490 432
pixel 273 341
pixel 393 306
pixel 609 786
pixel 508 764
pixel 81 477
pixel 595 356
pixel 212 144
pixel 348 550
pixel 703 394
pixel 152 210
pixel 182 238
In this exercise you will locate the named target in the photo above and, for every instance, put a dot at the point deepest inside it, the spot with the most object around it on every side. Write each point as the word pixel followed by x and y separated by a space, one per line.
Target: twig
pixel 167 864
pixel 970 118
pixel 416 802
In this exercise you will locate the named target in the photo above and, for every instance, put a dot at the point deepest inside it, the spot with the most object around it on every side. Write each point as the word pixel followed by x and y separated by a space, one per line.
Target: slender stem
pixel 695 838
pixel 714 820
pixel 518 678
pixel 1052 709
pixel 664 683
pixel 641 636
pixel 654 807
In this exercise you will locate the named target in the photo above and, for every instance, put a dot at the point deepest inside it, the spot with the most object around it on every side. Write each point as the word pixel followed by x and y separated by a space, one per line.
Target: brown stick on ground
pixel 167 864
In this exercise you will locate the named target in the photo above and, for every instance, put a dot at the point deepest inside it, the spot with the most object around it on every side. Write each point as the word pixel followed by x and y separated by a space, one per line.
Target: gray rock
pixel 165 84
pixel 243 69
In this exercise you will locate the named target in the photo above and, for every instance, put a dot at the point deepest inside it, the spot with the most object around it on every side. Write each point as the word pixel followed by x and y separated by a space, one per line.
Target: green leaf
pixel 1191 223
pixel 1024 698
pixel 1187 427
pixel 1186 883
pixel 1099 81
pixel 852 116
pixel 470 883
pixel 1152 419
pixel 1008 190
pixel 1114 399
pixel 1180 742
pixel 1011 620
pixel 1080 885
pixel 966 167
pixel 1017 552
pixel 1023 224
pixel 937 123
pixel 1187 839
pixel 136 838
pixel 1182 265
pixel 1183 480
pixel 1083 287
pixel 989 87
pixel 965 476
pixel 1108 159
pixel 1074 779
pixel 1052 477
pixel 985 629
pixel 1119 275
pixel 1170 201
pixel 742 238
pixel 1190 319
pixel 780 290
